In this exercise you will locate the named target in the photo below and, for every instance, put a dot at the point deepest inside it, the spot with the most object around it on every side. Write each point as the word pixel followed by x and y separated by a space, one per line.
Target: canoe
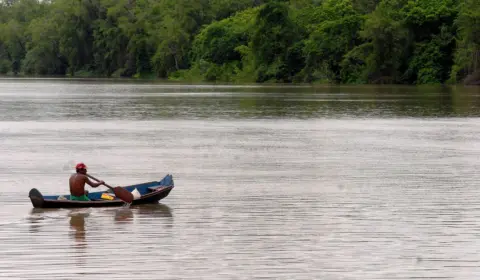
pixel 150 192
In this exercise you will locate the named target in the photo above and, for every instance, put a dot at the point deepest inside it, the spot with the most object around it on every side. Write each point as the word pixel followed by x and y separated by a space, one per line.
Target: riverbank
pixel 472 81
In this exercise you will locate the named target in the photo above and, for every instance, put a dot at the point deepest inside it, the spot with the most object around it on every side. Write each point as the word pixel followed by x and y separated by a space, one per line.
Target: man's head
pixel 81 168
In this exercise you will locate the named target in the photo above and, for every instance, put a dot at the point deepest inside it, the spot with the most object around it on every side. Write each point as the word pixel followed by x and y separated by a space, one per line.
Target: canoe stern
pixel 36 197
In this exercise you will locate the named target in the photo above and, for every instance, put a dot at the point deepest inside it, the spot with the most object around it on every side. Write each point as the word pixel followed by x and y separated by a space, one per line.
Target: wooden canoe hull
pixel 151 192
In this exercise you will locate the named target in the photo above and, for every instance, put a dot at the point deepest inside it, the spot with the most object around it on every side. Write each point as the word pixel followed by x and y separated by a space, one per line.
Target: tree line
pixel 296 41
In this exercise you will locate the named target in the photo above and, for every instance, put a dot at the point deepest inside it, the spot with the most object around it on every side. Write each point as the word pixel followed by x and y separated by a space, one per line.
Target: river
pixel 271 182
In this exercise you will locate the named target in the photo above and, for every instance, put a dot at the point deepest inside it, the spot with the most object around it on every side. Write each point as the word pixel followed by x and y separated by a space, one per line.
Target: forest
pixel 410 42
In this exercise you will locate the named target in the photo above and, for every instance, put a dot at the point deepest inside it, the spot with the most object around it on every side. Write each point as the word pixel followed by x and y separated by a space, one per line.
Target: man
pixel 77 183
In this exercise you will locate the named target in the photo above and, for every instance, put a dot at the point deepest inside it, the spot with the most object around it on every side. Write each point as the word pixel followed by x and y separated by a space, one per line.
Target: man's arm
pixel 92 184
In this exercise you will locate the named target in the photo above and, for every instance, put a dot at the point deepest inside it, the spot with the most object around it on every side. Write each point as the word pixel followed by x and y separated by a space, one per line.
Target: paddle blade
pixel 123 194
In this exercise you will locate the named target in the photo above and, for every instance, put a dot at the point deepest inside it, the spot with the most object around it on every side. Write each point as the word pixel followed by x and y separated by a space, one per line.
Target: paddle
pixel 120 192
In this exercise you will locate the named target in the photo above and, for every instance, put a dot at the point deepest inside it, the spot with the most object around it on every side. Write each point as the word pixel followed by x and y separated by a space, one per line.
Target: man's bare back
pixel 77 181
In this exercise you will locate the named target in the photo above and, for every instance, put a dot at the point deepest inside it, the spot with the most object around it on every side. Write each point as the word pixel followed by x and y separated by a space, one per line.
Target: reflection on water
pixel 72 101
pixel 77 224
pixel 78 231
pixel 123 215
pixel 38 218
pixel 78 216
pixel 90 229
pixel 154 210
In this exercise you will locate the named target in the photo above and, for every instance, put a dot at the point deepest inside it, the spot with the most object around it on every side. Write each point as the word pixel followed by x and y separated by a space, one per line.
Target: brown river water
pixel 271 182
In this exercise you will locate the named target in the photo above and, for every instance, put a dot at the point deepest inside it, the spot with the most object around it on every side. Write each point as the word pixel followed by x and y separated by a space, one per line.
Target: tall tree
pixel 467 56
pixel 273 43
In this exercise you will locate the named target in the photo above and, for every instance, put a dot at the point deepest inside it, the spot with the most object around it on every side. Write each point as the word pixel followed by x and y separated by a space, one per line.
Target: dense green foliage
pixel 337 41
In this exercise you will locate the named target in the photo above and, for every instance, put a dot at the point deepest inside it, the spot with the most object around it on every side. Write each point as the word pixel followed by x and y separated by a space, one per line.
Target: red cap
pixel 81 165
